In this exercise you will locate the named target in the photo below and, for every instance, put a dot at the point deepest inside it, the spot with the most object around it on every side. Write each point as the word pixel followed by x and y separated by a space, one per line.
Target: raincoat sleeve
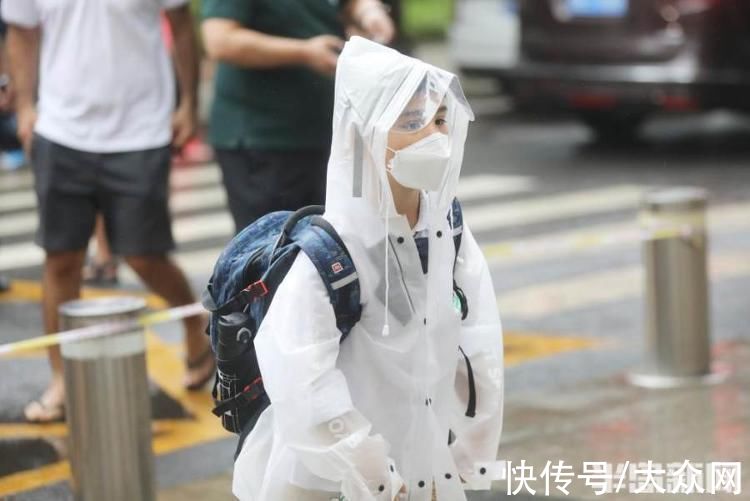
pixel 477 438
pixel 297 347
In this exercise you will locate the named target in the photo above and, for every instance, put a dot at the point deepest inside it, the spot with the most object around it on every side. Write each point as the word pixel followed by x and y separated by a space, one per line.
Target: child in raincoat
pixel 410 405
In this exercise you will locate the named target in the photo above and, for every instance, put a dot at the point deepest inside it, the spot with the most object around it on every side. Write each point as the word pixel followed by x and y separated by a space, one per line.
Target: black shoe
pixel 4 284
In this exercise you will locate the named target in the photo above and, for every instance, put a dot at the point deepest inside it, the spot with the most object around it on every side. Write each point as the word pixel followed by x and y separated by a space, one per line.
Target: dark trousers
pixel 259 182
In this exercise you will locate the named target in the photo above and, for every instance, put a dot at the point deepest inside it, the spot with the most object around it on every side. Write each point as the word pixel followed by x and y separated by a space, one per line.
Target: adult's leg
pixel 317 175
pixel 102 267
pixel 61 282
pixel 133 195
pixel 260 181
pixel 251 180
pixel 302 177
pixel 103 252
pixel 166 279
pixel 64 183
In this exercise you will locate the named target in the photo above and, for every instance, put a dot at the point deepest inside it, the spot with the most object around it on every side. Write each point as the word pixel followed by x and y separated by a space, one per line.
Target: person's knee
pixel 65 265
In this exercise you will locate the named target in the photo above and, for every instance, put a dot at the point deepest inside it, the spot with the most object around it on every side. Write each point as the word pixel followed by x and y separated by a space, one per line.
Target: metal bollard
pixel 676 290
pixel 107 404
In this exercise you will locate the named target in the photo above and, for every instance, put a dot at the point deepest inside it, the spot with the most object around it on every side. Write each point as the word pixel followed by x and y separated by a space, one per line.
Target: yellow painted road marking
pixel 522 347
pixel 166 368
pixel 30 291
pixel 30 430
pixel 60 430
pixel 34 479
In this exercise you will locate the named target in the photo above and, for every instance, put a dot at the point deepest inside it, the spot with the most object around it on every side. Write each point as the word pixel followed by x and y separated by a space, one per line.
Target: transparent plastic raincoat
pixel 387 408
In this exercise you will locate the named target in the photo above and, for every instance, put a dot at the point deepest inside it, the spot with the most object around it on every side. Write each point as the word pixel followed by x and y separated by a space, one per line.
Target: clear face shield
pixel 425 143
pixel 421 109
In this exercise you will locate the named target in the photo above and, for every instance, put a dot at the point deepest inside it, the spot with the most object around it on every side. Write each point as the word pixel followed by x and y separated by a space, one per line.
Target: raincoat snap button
pixel 448 476
pixel 425 321
pixel 392 468
pixel 482 470
pixel 421 483
pixel 439 234
pixel 400 240
pixel 381 488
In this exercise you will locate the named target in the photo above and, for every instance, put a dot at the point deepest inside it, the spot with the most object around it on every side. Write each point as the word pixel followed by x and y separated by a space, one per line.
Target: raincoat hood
pixel 374 84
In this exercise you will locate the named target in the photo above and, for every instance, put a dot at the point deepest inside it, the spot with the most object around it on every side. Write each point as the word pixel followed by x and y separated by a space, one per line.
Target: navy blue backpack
pixel 242 286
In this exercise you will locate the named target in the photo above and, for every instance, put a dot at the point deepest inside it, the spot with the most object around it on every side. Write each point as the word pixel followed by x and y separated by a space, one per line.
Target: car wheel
pixel 612 126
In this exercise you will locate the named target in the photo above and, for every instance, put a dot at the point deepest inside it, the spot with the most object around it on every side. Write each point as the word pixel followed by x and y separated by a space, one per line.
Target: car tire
pixel 612 126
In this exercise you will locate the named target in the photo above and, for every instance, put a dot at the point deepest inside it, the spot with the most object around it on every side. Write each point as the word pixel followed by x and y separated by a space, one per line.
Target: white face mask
pixel 422 165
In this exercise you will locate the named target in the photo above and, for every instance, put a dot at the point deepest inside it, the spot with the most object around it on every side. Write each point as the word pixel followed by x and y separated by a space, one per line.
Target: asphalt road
pixel 569 314
pixel 597 292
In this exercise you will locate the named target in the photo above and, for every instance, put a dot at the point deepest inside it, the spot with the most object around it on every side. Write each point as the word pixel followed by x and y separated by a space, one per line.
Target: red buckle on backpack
pixel 253 390
pixel 257 289
pixel 258 380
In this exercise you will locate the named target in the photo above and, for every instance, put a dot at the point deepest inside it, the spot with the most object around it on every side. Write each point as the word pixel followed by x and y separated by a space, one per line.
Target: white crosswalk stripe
pixel 19 180
pixel 213 197
pixel 210 198
pixel 492 203
pixel 11 199
pixel 17 200
pixel 592 289
pixel 545 247
pixel 482 186
pixel 189 194
pixel 17 224
pixel 484 217
pixel 195 191
pixel 180 177
pixel 189 177
pixel 721 219
pixel 503 214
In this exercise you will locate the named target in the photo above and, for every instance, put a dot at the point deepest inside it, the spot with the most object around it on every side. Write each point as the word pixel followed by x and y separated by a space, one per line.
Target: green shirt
pixel 283 108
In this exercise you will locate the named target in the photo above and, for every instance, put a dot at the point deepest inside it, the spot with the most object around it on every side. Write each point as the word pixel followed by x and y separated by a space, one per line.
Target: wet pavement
pixel 609 421
pixel 573 320
pixel 602 421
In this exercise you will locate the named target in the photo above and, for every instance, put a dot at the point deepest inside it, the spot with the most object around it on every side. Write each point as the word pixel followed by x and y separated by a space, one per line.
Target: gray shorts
pixel 129 189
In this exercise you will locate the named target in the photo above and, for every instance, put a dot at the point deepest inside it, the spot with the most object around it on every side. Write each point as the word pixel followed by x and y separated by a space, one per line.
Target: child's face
pixel 400 135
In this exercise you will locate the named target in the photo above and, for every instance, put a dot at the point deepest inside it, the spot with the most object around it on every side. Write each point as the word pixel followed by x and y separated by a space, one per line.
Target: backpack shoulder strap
pixel 457 222
pixel 323 245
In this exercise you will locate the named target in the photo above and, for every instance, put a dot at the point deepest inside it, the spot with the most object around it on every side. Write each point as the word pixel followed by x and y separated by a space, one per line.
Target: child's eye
pixel 440 122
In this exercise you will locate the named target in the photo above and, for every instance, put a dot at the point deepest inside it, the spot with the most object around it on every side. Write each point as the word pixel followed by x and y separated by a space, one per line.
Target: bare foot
pixel 200 371
pixel 50 407
pixel 201 363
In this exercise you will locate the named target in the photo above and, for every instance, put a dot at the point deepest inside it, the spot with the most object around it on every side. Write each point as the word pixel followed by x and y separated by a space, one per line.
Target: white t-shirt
pixel 106 83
